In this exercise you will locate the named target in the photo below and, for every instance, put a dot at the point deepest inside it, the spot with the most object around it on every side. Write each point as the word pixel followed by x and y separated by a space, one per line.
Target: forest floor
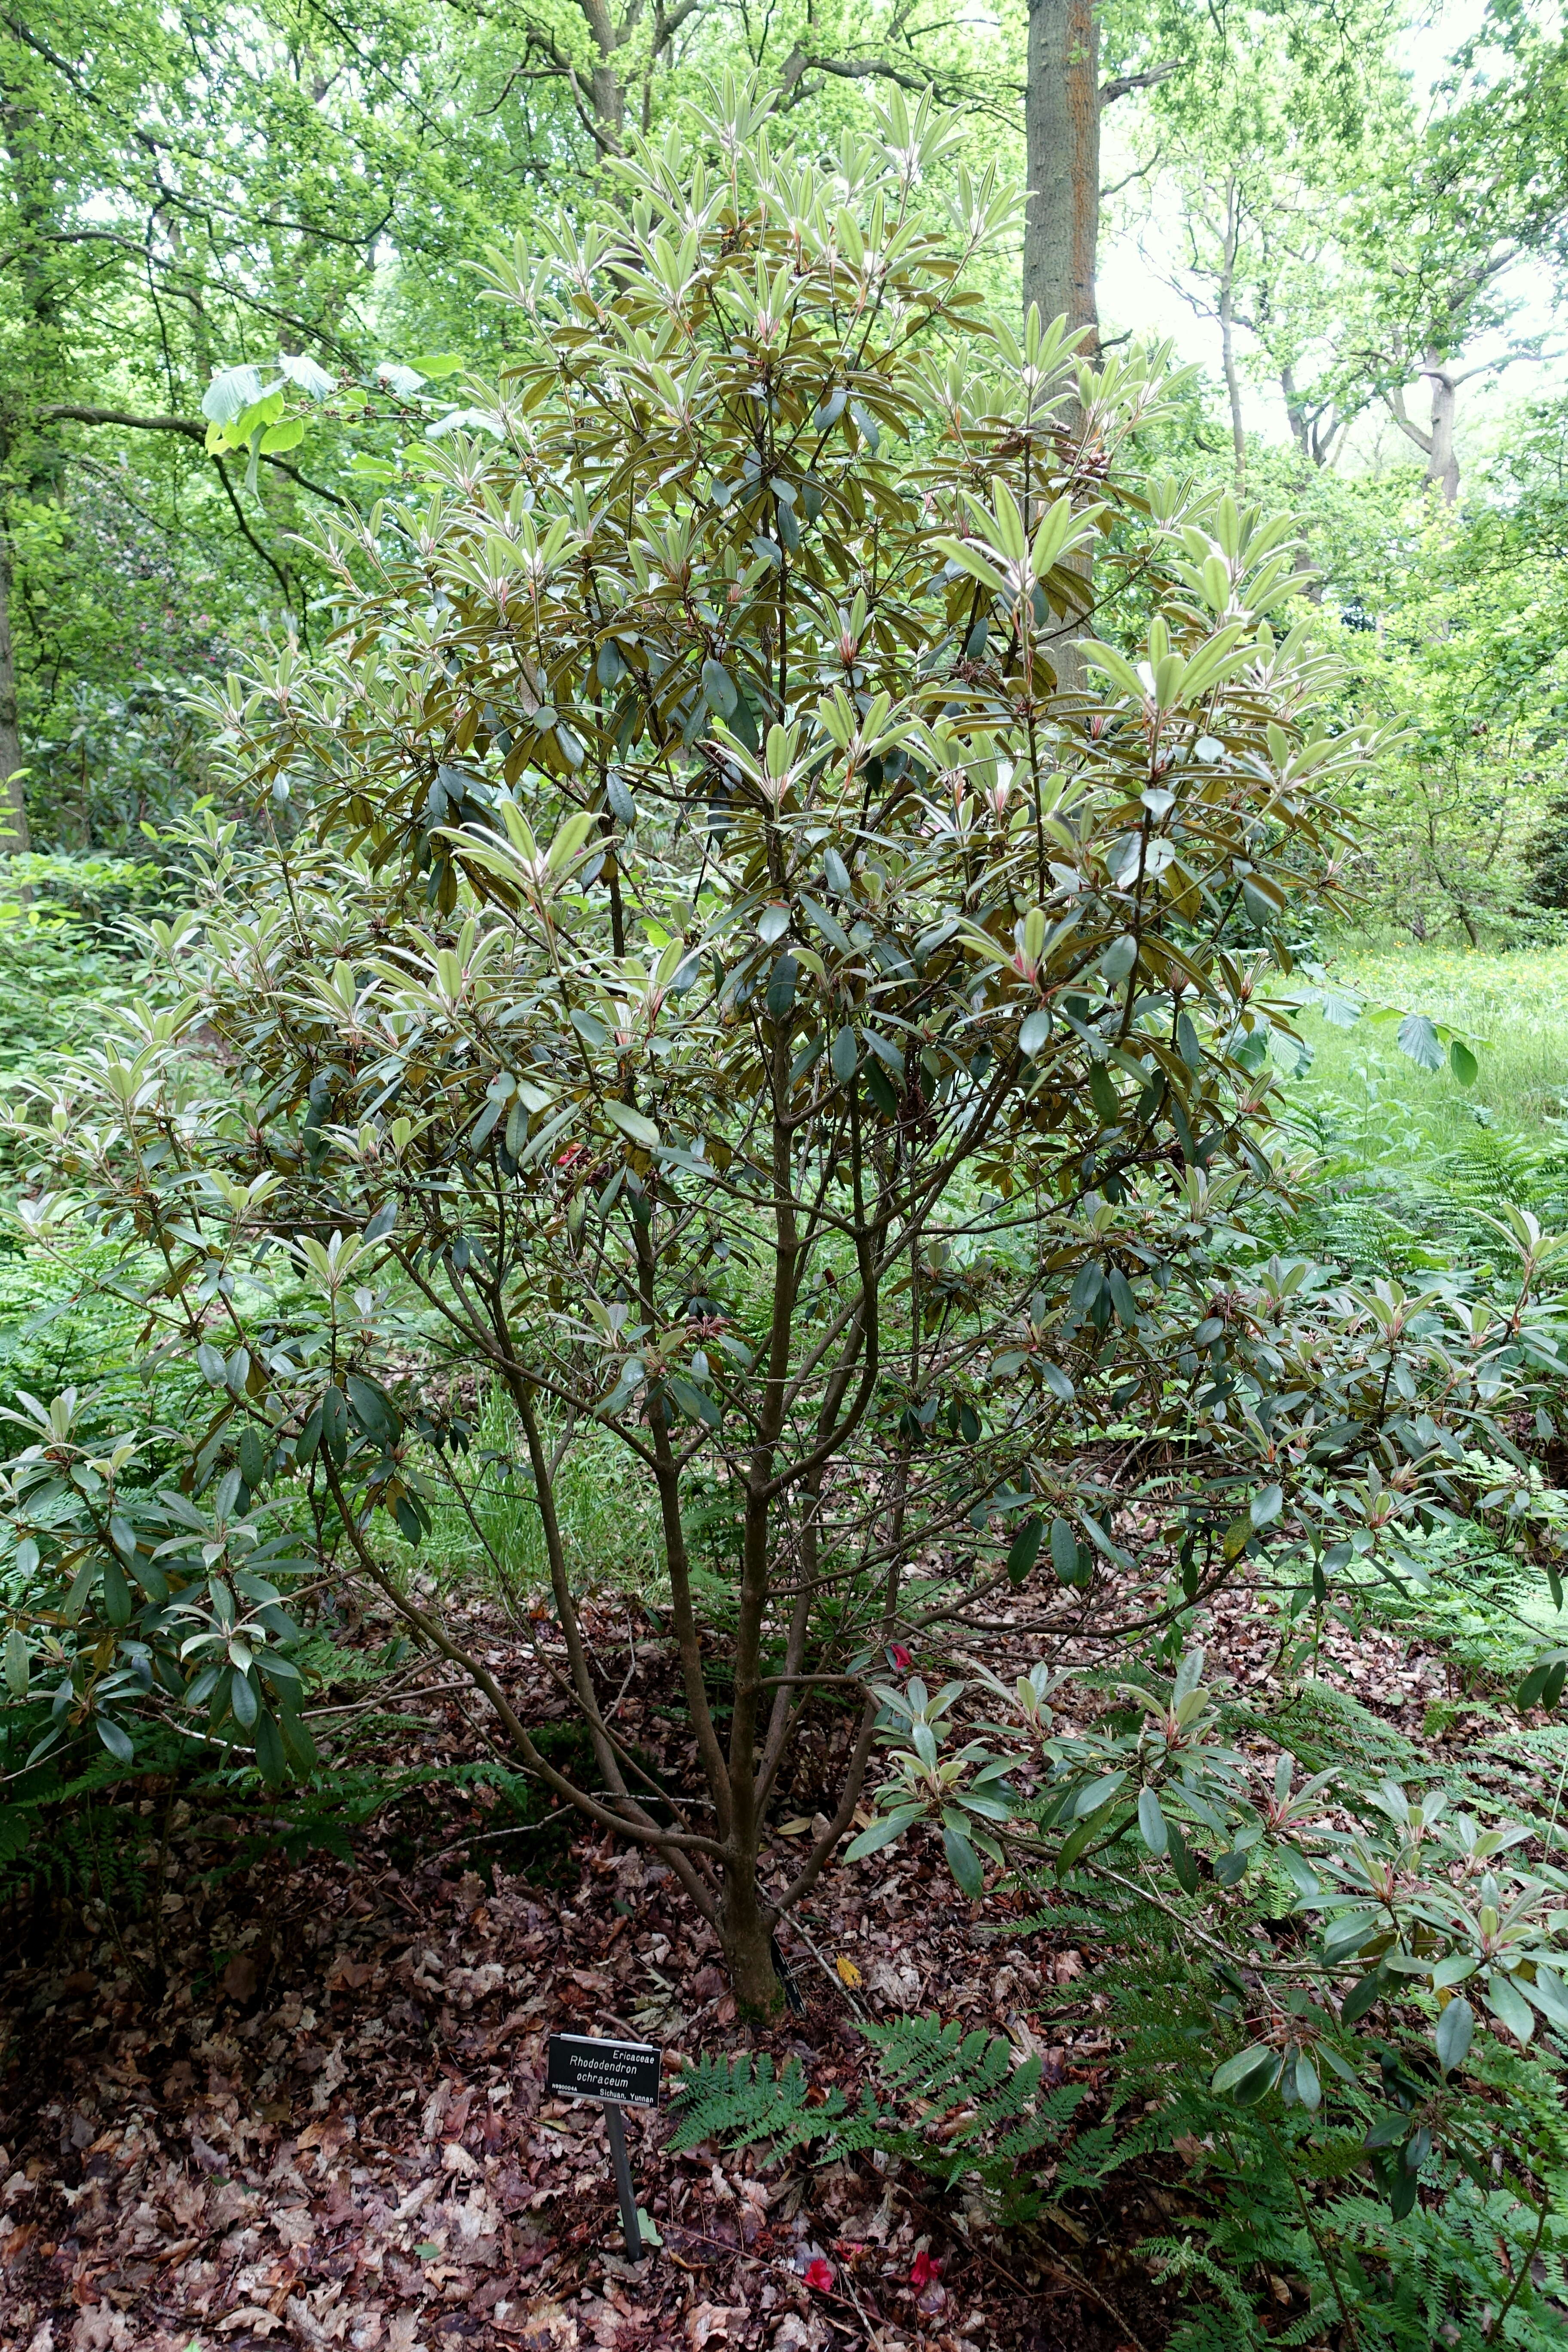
pixel 333 2131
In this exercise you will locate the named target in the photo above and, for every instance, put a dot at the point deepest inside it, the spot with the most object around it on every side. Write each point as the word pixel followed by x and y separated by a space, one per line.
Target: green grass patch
pixel 1514 1007
pixel 609 1532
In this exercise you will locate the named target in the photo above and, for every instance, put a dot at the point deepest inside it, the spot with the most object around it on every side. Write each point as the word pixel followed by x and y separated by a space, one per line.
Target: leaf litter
pixel 326 2126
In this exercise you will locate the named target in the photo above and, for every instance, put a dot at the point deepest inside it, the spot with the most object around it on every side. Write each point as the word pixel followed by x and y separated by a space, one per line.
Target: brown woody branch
pixel 61 413
pixel 1122 85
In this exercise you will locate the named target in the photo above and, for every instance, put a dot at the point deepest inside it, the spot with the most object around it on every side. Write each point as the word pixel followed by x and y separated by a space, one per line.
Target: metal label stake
pixel 618 2075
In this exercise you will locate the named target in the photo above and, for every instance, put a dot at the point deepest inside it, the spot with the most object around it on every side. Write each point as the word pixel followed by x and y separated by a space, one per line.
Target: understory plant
pixel 1361 2000
pixel 707 981
pixel 968 2109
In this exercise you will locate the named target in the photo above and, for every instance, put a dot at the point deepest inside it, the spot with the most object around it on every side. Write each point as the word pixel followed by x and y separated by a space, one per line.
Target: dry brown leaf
pixel 349 1972
pixel 239 1979
pixel 715 2322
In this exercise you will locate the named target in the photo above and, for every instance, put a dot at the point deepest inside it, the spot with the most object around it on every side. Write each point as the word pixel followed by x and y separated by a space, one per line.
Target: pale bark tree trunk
pixel 1438 445
pixel 14 836
pixel 1295 410
pixel 1442 455
pixel 1227 330
pixel 1061 225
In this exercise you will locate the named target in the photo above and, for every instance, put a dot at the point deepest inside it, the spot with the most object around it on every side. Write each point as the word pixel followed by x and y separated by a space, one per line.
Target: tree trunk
pixel 1061 130
pixel 14 837
pixel 1441 456
pixel 1062 224
pixel 606 91
pixel 1295 410
pixel 746 1931
pixel 1227 334
pixel 1233 390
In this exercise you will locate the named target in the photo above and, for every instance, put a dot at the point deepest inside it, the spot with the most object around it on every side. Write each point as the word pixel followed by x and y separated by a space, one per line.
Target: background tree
pixel 183 194
pixel 1256 152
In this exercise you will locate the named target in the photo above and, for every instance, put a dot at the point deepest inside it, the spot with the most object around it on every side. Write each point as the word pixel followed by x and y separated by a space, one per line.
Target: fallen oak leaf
pixel 848 1973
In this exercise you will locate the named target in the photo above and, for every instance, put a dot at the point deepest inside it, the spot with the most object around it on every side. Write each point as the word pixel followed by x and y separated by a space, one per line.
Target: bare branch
pixel 1123 84
pixel 799 63
pixel 63 414
pixel 1394 403
pixel 994 98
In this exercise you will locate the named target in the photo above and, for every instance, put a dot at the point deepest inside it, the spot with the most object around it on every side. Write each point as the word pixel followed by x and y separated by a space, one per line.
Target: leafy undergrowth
pixel 331 2129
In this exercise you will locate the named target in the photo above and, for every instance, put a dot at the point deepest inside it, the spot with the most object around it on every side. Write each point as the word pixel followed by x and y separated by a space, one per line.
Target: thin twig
pixel 1312 2230
pixel 831 1973
pixel 492 1837
pixel 1524 2272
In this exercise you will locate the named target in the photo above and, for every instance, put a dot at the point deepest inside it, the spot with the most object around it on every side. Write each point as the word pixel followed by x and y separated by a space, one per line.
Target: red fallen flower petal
pixel 819 2274
pixel 901 1658
pixel 924 2270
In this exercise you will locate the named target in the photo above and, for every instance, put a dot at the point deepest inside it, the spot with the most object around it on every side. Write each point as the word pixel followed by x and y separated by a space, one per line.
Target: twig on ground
pixel 830 1972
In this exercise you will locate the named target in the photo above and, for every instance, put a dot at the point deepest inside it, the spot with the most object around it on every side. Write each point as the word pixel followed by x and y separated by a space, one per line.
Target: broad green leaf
pixel 964 1861
pixel 1508 2006
pixel 1024 1549
pixel 880 1833
pixel 115 1738
pixel 1418 1039
pixel 1248 2076
pixel 632 1123
pixel 1455 2027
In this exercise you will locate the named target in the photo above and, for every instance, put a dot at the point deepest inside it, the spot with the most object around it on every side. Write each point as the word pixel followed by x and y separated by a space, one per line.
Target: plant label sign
pixel 618 2074
pixel 623 2073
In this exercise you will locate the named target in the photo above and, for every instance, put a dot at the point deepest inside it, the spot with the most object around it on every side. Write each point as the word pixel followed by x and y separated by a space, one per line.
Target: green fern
pixel 964 2110
pixel 1431 2278
pixel 740 2102
pixel 1225 2318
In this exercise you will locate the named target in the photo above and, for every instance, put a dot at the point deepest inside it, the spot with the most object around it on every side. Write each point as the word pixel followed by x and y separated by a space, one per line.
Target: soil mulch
pixel 331 2129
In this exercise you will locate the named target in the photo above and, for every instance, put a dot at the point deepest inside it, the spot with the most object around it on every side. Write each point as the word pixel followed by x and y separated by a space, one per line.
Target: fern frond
pixel 739 2103
pixel 965 2111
